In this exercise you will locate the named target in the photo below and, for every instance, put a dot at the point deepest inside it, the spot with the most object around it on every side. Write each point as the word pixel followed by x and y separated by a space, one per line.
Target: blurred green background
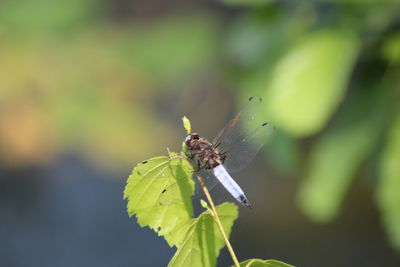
pixel 89 88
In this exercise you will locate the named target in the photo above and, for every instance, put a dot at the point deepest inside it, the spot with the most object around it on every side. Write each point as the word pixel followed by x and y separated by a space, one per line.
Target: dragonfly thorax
pixel 204 151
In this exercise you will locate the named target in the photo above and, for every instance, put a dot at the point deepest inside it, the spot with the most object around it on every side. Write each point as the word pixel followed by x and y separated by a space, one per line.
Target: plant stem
pixel 214 213
pixel 253 261
pixel 217 220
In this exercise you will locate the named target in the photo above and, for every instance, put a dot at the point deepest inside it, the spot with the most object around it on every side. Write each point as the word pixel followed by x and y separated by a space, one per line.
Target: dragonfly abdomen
pixel 233 188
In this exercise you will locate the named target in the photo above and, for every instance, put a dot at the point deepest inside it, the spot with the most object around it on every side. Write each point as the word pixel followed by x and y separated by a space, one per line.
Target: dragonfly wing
pixel 180 191
pixel 241 153
pixel 243 136
pixel 245 120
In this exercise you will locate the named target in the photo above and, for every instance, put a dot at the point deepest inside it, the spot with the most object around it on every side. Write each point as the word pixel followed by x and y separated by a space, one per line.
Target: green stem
pixel 214 213
pixel 217 220
pixel 253 261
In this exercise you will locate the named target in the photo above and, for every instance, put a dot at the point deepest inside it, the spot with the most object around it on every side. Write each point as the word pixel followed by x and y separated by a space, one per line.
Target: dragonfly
pixel 232 149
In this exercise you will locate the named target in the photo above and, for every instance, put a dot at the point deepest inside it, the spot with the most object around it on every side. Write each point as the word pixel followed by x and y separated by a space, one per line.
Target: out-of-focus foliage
pixel 335 159
pixel 246 3
pixel 316 68
pixel 71 82
pixel 391 49
pixel 330 74
pixel 263 263
pixel 30 17
pixel 388 188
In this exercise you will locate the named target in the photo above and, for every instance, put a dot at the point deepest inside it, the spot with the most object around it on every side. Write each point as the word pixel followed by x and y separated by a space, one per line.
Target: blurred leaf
pixel 335 158
pixel 263 263
pixel 37 15
pixel 388 196
pixel 256 41
pixel 171 50
pixel 309 82
pixel 143 189
pixel 391 49
pixel 250 38
pixel 103 107
pixel 361 2
pixel 203 241
pixel 285 153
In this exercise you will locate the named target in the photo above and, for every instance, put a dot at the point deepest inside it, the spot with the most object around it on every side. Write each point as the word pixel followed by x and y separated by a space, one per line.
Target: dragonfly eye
pixel 195 136
pixel 187 139
pixel 190 137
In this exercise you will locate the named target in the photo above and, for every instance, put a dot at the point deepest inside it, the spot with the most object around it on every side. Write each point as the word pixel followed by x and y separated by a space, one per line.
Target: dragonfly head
pixel 191 137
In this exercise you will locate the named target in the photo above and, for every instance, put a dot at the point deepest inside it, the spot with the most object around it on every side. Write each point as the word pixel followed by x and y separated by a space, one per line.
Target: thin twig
pixel 218 221
pixel 253 261
pixel 214 213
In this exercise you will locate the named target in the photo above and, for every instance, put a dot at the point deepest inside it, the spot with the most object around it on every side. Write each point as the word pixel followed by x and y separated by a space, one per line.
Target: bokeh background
pixel 89 88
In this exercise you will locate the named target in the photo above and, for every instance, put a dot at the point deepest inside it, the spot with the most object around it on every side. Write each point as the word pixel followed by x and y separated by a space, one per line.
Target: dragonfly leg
pixel 204 166
pixel 199 166
pixel 223 157
pixel 190 155
pixel 217 145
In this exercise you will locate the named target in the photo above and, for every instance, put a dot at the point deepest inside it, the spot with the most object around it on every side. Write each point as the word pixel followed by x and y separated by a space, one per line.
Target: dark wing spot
pixel 251 98
pixel 144 162
pixel 265 123
pixel 138 173
pixel 163 191
pixel 242 198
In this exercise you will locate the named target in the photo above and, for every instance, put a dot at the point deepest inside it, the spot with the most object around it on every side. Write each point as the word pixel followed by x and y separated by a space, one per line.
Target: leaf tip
pixel 186 124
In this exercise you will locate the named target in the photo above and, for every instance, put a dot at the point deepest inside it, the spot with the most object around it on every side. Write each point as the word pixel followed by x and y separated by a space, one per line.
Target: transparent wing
pixel 242 152
pixel 243 136
pixel 172 194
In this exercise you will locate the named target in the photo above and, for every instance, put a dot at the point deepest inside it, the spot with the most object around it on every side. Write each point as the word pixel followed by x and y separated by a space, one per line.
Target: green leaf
pixel 203 241
pixel 187 125
pixel 263 263
pixel 309 82
pixel 388 196
pixel 335 158
pixel 391 48
pixel 143 189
